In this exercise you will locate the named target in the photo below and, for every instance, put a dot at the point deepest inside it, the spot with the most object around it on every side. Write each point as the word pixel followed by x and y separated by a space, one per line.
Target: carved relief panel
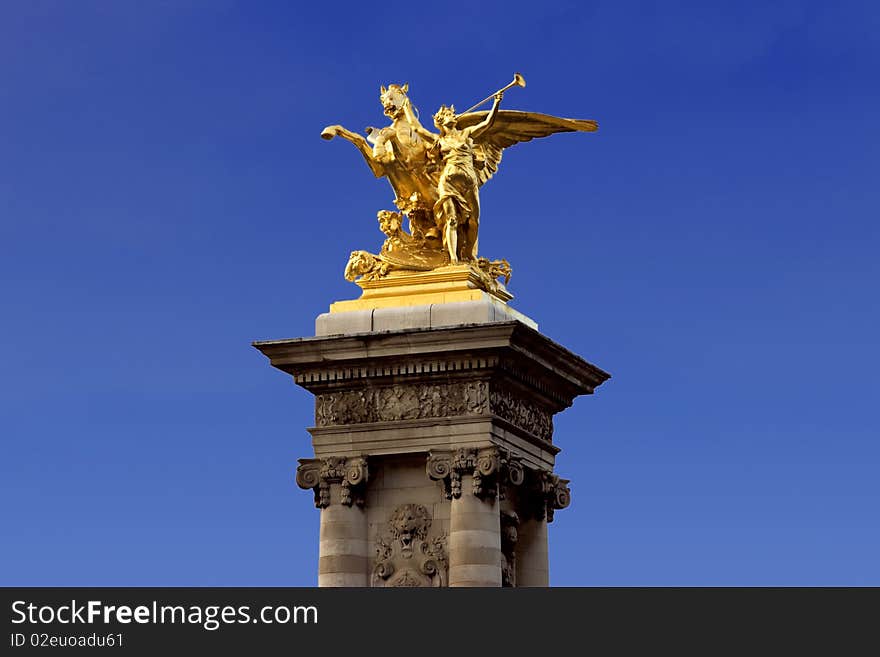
pixel 432 400
pixel 407 554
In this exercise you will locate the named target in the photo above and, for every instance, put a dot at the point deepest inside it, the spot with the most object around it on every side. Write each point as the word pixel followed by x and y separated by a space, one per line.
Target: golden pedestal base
pixel 443 285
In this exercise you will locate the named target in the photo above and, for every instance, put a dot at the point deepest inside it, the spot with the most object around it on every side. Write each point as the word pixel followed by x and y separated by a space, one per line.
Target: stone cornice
pixel 521 352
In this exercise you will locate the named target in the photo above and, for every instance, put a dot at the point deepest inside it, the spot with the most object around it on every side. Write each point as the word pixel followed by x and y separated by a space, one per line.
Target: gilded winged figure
pixel 436 177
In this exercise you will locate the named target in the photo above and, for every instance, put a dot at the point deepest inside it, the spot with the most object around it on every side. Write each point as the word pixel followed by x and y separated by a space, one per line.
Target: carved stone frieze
pixel 522 412
pixel 401 402
pixel 405 554
pixel 432 400
pixel 318 474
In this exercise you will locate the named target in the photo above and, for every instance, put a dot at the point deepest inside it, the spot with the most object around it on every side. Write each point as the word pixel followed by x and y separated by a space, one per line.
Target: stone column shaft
pixel 474 539
pixel 344 552
pixel 532 557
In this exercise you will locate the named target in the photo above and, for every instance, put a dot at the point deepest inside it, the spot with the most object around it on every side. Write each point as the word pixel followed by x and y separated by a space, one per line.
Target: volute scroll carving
pixel 351 473
pixel 491 469
pixel 549 493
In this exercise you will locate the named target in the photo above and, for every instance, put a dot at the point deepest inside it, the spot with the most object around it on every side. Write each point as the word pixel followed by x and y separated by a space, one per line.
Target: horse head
pixel 392 98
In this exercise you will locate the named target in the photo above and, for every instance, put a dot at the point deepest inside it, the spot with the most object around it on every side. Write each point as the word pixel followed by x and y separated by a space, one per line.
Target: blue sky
pixel 165 199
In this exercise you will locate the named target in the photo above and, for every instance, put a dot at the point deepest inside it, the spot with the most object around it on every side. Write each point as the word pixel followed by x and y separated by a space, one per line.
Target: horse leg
pixel 360 143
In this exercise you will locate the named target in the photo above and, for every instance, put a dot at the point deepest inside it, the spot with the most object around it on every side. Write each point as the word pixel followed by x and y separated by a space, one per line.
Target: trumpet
pixel 518 81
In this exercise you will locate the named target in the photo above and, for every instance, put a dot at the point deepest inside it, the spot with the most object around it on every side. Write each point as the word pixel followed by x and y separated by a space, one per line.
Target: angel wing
pixel 512 127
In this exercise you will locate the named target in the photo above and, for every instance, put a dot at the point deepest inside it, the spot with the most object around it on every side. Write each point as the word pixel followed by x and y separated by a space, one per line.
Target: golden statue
pixel 436 179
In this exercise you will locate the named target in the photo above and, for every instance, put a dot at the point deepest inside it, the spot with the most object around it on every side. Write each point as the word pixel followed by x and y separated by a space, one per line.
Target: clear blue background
pixel 165 199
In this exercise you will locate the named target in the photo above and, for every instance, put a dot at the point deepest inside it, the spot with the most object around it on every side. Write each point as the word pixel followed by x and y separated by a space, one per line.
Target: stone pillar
pixel 469 386
pixel 344 549
pixel 471 480
pixel 532 558
pixel 474 541
pixel 542 495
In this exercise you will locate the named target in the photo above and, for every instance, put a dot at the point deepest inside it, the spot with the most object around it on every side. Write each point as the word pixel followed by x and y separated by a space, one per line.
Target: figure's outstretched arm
pixel 413 120
pixel 360 143
pixel 486 123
